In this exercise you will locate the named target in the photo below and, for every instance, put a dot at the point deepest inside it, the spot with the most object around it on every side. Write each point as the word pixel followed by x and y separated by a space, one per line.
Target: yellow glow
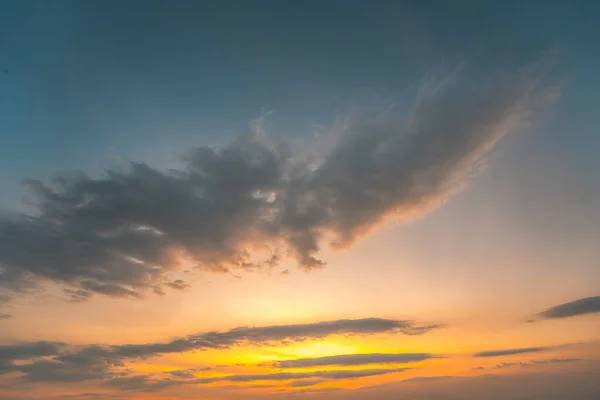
pixel 318 349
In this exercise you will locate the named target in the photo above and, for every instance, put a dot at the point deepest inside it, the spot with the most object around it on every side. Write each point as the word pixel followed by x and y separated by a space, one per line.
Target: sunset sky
pixel 313 200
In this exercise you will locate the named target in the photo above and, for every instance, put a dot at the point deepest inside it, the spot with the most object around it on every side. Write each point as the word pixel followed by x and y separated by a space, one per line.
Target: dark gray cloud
pixel 178 284
pixel 560 385
pixel 588 305
pixel 21 351
pixel 91 395
pixel 525 364
pixel 124 234
pixel 286 376
pixel 142 383
pixel 64 363
pixel 509 352
pixel 355 359
pixel 286 393
pixel 62 371
pixel 509 364
pixel 147 383
pixel 555 361
pixel 275 333
pixel 306 382
pixel 428 378
pixel 5 316
pixel 58 362
pixel 184 373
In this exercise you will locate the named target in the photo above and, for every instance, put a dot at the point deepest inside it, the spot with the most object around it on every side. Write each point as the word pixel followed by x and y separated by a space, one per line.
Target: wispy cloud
pixel 588 305
pixel 68 363
pixel 298 379
pixel 91 395
pixel 355 360
pixel 22 351
pixel 285 376
pixel 306 382
pixel 125 234
pixel 183 374
pixel 275 333
pixel 509 352
pixel 429 378
pixel 525 364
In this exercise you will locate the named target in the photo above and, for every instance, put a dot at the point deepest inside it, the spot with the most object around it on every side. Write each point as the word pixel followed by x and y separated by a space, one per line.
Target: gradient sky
pixel 299 200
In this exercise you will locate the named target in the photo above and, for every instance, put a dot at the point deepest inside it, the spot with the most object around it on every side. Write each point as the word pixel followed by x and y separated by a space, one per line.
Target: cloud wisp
pixel 355 360
pixel 250 203
pixel 525 364
pixel 588 305
pixel 509 352
pixel 286 376
pixel 59 362
pixel 298 379
pixel 428 378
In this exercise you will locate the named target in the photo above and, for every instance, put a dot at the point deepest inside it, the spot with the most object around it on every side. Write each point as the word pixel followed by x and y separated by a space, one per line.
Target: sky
pixel 301 200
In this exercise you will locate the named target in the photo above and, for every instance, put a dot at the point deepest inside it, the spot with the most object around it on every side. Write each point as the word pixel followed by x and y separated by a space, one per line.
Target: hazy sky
pixel 299 200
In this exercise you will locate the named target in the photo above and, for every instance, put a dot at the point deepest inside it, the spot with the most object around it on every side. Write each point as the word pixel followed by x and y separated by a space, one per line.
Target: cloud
pixel 525 364
pixel 320 390
pixel 588 305
pixel 178 284
pixel 58 362
pixel 429 378
pixel 22 351
pixel 355 360
pixel 185 373
pixel 509 352
pixel 274 333
pixel 576 385
pixel 306 382
pixel 91 395
pixel 125 234
pixel 5 316
pixel 146 383
pixel 142 383
pixel 64 371
pixel 68 363
pixel 286 376
pixel 511 364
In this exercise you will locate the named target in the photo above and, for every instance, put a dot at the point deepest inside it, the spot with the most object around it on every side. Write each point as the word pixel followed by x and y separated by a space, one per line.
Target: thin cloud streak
pixel 429 378
pixel 525 364
pixel 286 376
pixel 68 363
pixel 355 360
pixel 509 352
pixel 588 305
pixel 148 384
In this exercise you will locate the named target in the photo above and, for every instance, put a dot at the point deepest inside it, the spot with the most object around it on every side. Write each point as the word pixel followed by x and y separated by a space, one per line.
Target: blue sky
pixel 88 82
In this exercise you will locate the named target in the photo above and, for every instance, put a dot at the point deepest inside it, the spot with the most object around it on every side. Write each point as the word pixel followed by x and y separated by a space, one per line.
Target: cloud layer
pixel 509 352
pixel 355 360
pixel 59 362
pixel 588 305
pixel 127 233
pixel 146 383
pixel 525 364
